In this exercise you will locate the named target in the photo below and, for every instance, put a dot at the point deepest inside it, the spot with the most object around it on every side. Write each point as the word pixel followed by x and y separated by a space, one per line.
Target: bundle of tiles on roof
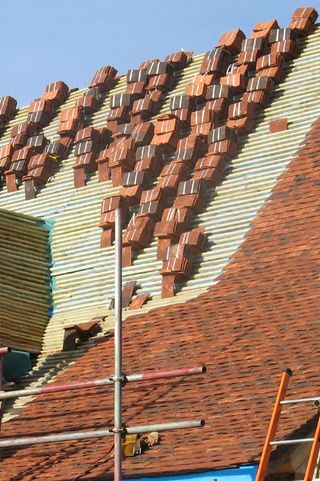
pixel 218 106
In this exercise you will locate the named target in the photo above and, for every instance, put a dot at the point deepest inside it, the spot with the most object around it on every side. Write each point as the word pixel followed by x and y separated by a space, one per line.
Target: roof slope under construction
pixel 82 275
pixel 244 344
pixel 247 309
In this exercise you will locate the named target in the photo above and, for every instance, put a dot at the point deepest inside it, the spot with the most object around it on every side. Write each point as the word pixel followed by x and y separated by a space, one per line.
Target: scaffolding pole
pixel 101 433
pixel 3 352
pixel 118 377
pixel 145 376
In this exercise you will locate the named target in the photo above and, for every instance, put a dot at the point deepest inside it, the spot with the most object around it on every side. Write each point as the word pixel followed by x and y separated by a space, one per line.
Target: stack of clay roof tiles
pixel 177 157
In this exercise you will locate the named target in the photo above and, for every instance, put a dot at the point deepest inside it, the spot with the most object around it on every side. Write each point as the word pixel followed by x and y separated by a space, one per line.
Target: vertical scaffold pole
pixel 3 352
pixel 1 402
pixel 118 350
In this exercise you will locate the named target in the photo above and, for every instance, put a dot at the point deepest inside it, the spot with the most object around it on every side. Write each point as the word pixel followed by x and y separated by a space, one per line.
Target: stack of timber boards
pixel 24 281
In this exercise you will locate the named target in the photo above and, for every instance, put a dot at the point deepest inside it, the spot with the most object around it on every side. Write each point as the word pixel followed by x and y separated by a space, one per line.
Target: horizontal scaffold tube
pixel 101 382
pixel 78 435
pixel 4 350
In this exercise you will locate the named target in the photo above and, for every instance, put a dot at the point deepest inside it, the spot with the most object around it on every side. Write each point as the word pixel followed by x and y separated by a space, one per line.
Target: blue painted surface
pixel 16 364
pixel 242 473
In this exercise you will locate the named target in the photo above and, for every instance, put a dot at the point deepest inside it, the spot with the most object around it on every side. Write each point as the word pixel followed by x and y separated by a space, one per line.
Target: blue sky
pixel 48 40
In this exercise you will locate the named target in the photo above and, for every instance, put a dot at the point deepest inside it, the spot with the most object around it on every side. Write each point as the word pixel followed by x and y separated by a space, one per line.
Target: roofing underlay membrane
pixel 247 310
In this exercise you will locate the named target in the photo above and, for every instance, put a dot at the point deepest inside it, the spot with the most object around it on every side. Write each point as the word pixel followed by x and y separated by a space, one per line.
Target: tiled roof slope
pixel 262 316
pixel 82 271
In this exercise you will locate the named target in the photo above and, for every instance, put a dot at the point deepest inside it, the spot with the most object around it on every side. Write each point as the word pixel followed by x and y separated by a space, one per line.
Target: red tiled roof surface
pixel 262 316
